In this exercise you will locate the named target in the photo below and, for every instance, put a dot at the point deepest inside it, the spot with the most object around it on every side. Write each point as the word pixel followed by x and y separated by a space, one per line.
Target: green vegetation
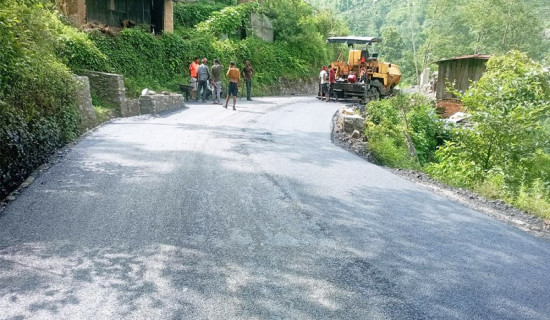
pixel 38 112
pixel 403 131
pixel 215 30
pixel 428 30
pixel 503 152
pixel 506 147
pixel 40 52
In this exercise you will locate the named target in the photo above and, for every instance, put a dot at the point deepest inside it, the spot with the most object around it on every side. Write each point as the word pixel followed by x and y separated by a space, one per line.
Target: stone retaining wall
pixel 108 87
pixel 349 121
pixel 89 118
pixel 160 102
pixel 293 87
pixel 130 108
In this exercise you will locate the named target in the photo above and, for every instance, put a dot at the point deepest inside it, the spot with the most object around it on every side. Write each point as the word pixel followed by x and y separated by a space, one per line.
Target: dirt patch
pixel 494 208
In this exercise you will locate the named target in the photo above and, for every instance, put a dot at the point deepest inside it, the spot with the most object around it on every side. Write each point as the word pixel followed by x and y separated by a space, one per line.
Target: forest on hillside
pixel 418 32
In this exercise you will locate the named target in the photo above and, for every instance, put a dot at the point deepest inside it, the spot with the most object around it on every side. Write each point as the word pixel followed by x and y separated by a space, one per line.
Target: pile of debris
pixel 103 28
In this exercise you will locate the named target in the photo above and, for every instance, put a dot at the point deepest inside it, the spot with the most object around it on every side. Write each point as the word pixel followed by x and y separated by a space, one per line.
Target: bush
pixel 188 15
pixel 229 19
pixel 38 112
pixel 403 131
pixel 507 137
pixel 508 107
pixel 78 52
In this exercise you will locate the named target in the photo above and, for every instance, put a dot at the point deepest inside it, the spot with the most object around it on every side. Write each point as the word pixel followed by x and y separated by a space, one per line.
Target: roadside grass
pixel 102 110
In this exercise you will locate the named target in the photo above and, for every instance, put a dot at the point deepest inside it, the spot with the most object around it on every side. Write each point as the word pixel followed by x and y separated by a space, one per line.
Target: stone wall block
pixel 151 104
pixel 89 117
pixel 108 87
pixel 349 121
pixel 131 108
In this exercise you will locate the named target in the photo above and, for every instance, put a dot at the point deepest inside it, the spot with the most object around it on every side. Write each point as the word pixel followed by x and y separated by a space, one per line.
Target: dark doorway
pixel 114 12
pixel 157 16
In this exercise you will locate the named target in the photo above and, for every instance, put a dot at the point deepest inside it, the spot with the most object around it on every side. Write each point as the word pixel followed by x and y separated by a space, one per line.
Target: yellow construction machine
pixel 363 76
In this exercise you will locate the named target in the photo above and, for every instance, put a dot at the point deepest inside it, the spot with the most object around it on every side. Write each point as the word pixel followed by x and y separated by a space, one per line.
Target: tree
pixel 508 107
pixel 393 45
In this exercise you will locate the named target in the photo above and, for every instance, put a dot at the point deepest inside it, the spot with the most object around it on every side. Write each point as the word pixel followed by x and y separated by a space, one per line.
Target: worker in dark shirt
pixel 332 80
pixel 248 73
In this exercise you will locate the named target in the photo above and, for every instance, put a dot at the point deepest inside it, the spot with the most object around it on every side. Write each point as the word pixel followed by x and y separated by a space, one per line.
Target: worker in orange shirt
pixel 193 72
pixel 234 84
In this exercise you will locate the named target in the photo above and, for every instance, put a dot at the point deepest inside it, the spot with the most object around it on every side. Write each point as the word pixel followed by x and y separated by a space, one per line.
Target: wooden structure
pixel 459 72
pixel 157 13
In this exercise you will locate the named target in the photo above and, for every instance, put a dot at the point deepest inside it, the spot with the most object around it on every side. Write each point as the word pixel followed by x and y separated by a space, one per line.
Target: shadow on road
pixel 134 232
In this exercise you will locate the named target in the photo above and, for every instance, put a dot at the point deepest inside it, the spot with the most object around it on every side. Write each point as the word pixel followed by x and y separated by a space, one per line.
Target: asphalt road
pixel 207 213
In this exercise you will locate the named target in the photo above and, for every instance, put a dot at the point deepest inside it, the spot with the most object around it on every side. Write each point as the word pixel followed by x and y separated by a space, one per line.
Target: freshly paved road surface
pixel 208 213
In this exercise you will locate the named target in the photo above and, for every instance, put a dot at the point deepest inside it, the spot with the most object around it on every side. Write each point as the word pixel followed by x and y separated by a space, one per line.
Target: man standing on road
pixel 204 75
pixel 331 80
pixel 217 69
pixel 193 69
pixel 234 83
pixel 248 72
pixel 323 76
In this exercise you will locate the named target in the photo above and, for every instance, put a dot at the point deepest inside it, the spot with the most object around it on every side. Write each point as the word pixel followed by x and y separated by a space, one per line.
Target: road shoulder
pixel 493 208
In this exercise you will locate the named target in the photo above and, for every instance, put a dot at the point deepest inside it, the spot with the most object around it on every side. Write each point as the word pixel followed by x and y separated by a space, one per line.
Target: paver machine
pixel 363 77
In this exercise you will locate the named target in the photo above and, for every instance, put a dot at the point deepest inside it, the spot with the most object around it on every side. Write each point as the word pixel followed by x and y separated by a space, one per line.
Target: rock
pixel 166 93
pixel 356 134
pixel 27 182
pixel 348 111
pixel 151 92
pixel 10 198
pixel 350 122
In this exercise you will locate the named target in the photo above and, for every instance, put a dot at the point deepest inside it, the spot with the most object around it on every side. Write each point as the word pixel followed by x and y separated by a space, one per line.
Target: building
pixel 458 72
pixel 157 13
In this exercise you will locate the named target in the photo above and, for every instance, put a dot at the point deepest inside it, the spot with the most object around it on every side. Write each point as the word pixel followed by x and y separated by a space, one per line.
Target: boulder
pixel 350 122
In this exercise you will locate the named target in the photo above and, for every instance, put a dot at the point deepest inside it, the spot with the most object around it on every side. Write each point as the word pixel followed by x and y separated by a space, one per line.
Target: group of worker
pixel 201 74
pixel 327 81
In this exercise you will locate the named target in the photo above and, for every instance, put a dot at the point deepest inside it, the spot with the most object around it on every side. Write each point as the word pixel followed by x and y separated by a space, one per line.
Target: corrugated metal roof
pixel 353 40
pixel 471 56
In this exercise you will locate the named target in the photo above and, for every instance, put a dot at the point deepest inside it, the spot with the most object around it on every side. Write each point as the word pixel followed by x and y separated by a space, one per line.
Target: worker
pixel 216 79
pixel 331 80
pixel 248 73
pixel 234 84
pixel 203 76
pixel 323 76
pixel 193 72
pixel 363 75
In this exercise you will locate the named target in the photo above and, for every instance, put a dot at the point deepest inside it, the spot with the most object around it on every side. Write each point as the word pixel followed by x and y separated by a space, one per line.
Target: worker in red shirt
pixel 332 80
pixel 193 72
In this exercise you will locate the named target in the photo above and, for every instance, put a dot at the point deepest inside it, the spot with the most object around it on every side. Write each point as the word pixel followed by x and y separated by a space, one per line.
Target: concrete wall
pixel 262 27
pixel 75 10
pixel 168 16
